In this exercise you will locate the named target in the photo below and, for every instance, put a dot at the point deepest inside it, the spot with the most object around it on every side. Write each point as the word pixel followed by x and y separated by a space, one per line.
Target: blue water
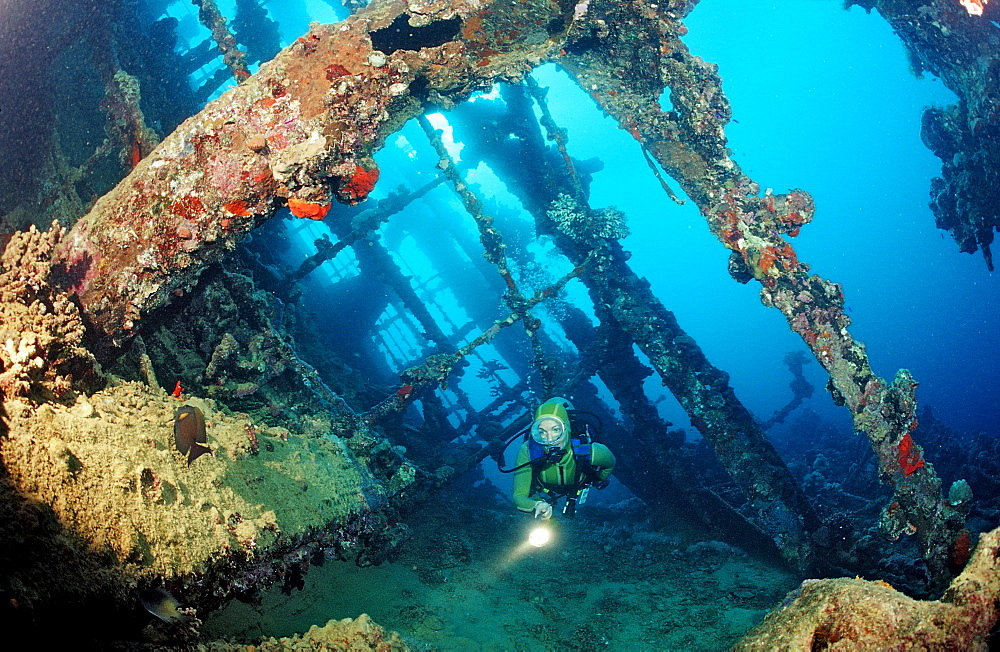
pixel 826 102
pixel 823 99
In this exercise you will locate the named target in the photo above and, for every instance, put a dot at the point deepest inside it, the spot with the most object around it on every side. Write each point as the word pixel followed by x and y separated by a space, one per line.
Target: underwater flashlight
pixel 540 535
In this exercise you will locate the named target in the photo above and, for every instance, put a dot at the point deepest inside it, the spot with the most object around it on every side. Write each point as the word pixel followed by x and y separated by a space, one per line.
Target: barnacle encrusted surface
pixel 587 225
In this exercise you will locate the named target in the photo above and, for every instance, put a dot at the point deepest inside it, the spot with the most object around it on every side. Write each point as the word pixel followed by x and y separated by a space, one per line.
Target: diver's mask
pixel 550 432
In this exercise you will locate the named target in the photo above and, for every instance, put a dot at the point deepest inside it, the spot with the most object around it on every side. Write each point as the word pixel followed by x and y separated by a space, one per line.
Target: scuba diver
pixel 558 458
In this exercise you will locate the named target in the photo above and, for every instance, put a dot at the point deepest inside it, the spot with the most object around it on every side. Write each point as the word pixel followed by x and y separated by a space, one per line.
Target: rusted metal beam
pixel 626 75
pixel 299 133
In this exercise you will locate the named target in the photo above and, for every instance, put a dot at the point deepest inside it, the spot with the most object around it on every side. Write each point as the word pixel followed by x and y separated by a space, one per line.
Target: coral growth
pixel 287 135
pixel 909 456
pixel 360 634
pixel 583 224
pixel 233 57
pixel 357 635
pixel 126 124
pixel 228 336
pixel 857 614
pixel 42 354
pixel 961 51
pixel 359 185
pixel 311 210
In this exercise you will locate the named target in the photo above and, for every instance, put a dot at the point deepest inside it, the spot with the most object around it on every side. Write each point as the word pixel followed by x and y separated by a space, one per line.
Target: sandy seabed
pixel 466 581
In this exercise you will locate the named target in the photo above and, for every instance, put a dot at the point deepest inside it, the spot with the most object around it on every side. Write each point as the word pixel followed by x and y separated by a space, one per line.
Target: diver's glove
pixel 542 510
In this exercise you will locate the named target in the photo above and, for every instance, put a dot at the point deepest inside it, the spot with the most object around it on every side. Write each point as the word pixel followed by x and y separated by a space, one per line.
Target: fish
pixel 162 605
pixel 189 432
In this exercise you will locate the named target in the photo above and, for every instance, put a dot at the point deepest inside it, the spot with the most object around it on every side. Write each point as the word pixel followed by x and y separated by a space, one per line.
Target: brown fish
pixel 189 432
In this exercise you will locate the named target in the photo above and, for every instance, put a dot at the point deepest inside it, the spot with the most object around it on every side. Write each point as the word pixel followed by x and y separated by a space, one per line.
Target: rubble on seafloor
pixel 352 635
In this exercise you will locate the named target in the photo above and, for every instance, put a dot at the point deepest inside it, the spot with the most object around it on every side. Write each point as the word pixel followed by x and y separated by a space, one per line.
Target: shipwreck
pixel 171 421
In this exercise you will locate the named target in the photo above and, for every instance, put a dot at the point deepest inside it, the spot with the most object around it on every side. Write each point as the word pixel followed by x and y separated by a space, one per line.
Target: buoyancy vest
pixel 581 449
pixel 585 470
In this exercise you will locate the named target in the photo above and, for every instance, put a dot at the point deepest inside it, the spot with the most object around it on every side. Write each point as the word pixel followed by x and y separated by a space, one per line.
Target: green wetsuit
pixel 560 476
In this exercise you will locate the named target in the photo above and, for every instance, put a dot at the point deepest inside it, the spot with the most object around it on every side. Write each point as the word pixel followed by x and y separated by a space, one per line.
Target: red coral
pixel 792 211
pixel 335 70
pixel 909 456
pixel 784 254
pixel 309 43
pixel 767 259
pixel 404 392
pixel 308 209
pixel 238 207
pixel 961 549
pixel 189 207
pixel 363 182
pixel 136 154
pixel 788 257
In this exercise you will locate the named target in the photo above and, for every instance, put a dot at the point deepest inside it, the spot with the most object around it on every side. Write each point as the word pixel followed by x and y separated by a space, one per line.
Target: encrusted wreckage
pixel 689 143
pixel 858 614
pixel 138 278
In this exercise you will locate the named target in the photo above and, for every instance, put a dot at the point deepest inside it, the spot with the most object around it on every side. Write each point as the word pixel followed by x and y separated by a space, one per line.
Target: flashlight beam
pixel 540 536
